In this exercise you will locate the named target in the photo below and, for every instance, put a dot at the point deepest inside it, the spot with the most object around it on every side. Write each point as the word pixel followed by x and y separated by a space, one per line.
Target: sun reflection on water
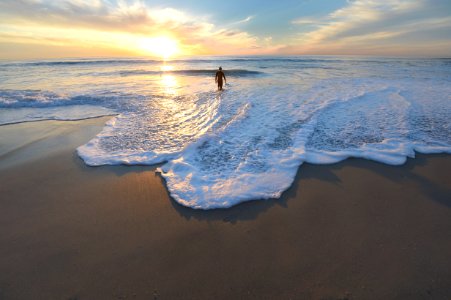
pixel 169 84
pixel 166 68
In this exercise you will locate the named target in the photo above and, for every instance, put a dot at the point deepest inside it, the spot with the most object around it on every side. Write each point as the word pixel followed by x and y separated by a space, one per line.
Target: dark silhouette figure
pixel 218 78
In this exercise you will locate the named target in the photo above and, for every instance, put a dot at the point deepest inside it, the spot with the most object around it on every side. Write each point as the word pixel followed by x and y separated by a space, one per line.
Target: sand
pixel 353 230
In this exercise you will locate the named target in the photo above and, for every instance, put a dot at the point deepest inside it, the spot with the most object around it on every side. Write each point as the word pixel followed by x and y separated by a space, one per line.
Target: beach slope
pixel 353 230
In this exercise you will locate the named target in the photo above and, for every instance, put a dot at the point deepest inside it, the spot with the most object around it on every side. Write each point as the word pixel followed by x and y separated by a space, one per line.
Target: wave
pixel 42 98
pixel 82 62
pixel 151 61
pixel 193 72
pixel 31 98
pixel 281 59
pixel 250 161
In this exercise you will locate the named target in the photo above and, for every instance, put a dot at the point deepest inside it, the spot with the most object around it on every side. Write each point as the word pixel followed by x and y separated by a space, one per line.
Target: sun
pixel 162 46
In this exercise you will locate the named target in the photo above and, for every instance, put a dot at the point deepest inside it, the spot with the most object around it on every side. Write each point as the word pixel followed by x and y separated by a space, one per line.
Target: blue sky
pixel 44 28
pixel 267 17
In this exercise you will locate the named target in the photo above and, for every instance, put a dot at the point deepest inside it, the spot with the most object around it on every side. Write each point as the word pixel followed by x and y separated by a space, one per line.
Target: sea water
pixel 220 148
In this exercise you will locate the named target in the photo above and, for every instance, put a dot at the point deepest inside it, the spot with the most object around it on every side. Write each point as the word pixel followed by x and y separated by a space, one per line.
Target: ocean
pixel 247 142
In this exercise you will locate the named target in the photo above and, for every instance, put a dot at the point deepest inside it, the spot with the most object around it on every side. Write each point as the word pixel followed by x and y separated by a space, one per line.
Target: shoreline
pixel 60 120
pixel 356 229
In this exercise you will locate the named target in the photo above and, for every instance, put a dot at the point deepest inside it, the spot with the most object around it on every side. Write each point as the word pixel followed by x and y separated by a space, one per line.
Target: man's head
pixel 220 68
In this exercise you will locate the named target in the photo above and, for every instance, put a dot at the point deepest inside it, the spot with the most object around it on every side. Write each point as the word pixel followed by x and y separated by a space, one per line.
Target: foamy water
pixel 247 142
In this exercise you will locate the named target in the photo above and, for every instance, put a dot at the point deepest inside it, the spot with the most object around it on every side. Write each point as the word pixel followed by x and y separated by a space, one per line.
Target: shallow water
pixel 246 142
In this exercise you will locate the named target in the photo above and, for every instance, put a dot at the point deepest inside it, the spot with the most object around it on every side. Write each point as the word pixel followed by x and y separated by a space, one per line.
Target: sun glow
pixel 163 46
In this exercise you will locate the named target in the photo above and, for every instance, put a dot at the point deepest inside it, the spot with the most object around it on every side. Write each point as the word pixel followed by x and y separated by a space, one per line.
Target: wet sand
pixel 353 230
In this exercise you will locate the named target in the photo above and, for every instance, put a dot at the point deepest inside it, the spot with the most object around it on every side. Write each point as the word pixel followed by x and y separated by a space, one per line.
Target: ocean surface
pixel 247 142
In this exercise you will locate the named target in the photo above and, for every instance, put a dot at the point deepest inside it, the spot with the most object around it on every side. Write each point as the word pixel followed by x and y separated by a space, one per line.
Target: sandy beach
pixel 353 230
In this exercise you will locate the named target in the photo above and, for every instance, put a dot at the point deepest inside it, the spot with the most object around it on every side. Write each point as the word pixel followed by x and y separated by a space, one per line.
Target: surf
pixel 218 149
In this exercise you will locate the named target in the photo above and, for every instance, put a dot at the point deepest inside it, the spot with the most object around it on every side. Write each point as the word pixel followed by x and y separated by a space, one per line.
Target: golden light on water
pixel 162 46
pixel 169 84
pixel 166 68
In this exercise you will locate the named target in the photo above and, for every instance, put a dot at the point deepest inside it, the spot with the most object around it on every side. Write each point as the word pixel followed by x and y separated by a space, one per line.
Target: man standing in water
pixel 218 78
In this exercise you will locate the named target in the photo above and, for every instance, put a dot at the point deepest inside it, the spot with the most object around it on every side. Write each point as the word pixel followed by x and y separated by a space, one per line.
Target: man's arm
pixel 216 77
pixel 225 80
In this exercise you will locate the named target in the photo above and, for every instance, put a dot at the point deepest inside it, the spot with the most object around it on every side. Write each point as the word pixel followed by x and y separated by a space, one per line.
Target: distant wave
pixel 199 72
pixel 223 60
pixel 82 62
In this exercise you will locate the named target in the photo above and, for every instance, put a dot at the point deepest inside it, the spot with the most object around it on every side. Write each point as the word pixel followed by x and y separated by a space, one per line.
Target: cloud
pixel 245 20
pixel 119 23
pixel 307 21
pixel 363 25
pixel 124 16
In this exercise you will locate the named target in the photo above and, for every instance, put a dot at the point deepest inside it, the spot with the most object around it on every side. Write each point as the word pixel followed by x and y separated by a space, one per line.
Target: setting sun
pixel 164 47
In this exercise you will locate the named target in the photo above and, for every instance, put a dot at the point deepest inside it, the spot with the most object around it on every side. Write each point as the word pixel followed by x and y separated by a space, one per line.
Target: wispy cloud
pixel 308 21
pixel 245 20
pixel 368 24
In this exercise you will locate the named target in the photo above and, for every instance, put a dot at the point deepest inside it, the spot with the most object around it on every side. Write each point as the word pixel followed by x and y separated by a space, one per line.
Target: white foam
pixel 95 154
pixel 235 166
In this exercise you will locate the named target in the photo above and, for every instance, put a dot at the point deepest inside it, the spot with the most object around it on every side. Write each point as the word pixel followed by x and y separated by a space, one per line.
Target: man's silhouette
pixel 218 78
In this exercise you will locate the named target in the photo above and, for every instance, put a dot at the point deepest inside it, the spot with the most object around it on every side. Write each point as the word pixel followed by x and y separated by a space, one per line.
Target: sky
pixel 175 28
